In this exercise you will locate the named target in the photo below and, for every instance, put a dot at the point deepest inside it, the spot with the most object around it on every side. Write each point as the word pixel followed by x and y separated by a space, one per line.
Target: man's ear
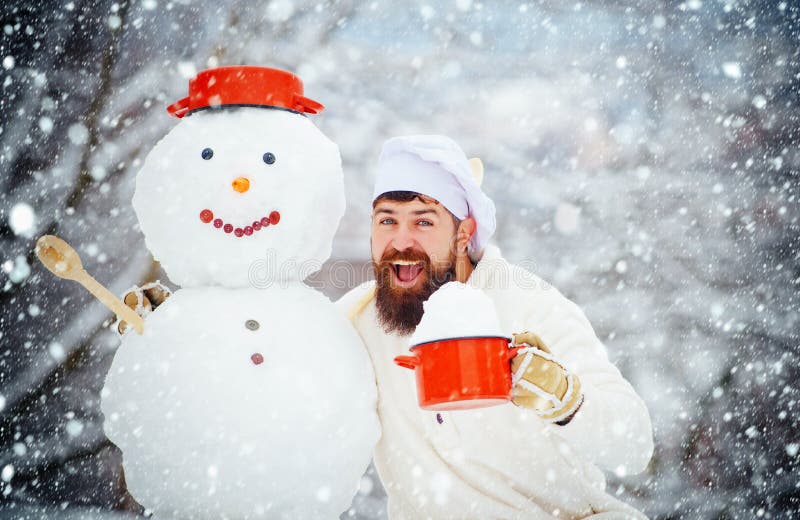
pixel 464 233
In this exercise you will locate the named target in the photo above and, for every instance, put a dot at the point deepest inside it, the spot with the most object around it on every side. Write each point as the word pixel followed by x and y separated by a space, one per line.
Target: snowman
pixel 248 395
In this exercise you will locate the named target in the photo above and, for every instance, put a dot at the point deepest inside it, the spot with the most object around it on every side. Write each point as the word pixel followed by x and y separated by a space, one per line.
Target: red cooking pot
pixel 245 85
pixel 461 373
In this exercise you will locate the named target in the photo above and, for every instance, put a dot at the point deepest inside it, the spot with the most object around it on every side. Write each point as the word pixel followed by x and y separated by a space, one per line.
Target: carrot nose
pixel 241 184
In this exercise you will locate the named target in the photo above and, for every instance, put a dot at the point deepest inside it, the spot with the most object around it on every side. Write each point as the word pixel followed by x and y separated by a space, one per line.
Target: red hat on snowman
pixel 245 86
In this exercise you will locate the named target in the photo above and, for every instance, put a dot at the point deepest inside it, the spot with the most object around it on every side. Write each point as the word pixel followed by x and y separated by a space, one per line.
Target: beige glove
pixel 143 300
pixel 542 384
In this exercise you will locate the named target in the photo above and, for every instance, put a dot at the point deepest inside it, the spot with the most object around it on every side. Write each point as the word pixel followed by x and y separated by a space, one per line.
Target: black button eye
pixel 207 153
pixel 269 157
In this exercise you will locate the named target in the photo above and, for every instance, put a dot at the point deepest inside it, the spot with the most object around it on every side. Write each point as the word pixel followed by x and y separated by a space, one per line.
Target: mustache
pixel 411 255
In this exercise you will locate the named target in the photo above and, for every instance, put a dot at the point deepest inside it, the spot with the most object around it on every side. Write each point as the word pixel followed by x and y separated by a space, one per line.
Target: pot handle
pixel 179 108
pixel 308 105
pixel 410 362
pixel 513 351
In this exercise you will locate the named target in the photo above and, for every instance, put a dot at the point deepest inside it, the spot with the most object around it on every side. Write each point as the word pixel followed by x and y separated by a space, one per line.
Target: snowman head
pixel 241 196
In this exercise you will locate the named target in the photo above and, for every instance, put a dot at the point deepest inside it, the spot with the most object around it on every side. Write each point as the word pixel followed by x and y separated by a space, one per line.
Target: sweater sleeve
pixel 612 428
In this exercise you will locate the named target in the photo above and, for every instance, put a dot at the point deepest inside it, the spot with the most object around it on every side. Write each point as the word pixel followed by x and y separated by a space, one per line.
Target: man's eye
pixel 387 221
pixel 425 223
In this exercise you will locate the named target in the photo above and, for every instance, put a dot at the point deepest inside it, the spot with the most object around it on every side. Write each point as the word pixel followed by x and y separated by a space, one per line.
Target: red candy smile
pixel 207 216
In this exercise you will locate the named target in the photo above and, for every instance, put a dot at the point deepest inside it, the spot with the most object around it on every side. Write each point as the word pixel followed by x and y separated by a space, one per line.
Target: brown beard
pixel 400 309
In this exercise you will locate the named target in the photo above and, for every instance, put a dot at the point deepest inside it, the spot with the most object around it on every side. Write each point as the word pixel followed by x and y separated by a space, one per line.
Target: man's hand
pixel 143 300
pixel 541 383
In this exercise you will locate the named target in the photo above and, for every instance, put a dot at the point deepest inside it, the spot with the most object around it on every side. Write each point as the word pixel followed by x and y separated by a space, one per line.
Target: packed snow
pixel 206 432
pixel 191 170
pixel 457 310
pixel 222 407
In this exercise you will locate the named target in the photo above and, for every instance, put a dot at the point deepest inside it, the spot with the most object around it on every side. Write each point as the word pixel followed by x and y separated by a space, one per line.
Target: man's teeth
pixel 405 262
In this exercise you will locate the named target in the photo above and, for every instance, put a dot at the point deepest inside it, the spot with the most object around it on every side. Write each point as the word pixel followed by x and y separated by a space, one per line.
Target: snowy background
pixel 644 157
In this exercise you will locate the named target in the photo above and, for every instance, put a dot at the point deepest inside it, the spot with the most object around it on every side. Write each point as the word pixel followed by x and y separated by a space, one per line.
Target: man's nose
pixel 403 240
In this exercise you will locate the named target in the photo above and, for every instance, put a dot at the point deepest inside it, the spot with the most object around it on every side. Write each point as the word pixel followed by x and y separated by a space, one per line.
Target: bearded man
pixel 537 458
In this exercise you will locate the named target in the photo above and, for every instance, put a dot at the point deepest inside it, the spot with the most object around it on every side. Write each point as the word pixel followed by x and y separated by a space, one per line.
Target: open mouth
pixel 406 272
pixel 207 217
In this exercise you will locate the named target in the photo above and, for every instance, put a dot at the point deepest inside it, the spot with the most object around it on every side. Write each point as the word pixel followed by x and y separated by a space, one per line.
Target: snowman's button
pixel 252 324
pixel 257 358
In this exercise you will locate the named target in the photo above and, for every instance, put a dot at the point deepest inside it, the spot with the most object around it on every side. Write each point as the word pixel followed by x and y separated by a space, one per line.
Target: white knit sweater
pixel 505 462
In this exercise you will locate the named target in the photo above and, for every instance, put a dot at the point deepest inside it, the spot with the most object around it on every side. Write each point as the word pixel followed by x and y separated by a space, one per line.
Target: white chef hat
pixel 434 165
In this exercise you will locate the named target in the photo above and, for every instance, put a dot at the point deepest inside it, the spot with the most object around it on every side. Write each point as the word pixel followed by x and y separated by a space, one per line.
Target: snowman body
pixel 248 395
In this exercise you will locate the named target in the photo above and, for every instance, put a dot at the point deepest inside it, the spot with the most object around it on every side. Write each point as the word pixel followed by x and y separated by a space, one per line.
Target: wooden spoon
pixel 61 260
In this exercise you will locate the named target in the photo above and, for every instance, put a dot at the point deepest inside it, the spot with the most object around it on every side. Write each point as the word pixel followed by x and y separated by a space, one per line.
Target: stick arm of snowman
pixel 63 261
